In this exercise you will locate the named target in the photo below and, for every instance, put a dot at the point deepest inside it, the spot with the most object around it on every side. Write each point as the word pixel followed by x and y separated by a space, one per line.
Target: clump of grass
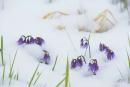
pixel 1 50
pixel 55 64
pixel 36 73
pixel 66 78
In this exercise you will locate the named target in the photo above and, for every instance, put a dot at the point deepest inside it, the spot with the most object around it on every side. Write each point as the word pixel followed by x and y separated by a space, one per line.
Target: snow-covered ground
pixel 25 17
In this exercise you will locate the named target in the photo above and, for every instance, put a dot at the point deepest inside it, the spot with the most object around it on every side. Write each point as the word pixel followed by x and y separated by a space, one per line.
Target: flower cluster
pixel 39 41
pixel 84 43
pixel 77 62
pixel 109 53
pixel 30 40
pixel 93 66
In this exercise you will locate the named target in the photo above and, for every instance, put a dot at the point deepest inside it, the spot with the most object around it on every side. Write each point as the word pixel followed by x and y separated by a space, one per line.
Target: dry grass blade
pixel 51 14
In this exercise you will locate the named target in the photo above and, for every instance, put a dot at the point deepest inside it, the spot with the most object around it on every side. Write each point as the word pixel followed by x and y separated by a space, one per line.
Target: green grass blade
pixel 3 74
pixel 12 65
pixel 67 74
pixel 17 77
pixel 55 64
pixel 60 82
pixel 33 76
pixel 11 77
pixel 128 40
pixel 37 78
pixel 128 60
pixel 2 53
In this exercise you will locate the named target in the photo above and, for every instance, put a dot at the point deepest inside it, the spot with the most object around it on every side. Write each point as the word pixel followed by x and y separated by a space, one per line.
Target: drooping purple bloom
pixel 102 47
pixel 84 42
pixel 110 55
pixel 22 40
pixel 29 40
pixel 39 41
pixel 79 62
pixel 93 66
pixel 46 57
pixel 73 63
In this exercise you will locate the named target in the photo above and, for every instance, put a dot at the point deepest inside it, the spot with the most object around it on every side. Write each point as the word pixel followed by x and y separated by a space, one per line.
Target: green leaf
pixel 67 74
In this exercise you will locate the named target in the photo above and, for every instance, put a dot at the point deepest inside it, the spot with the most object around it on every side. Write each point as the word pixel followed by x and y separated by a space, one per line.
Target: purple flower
pixel 93 66
pixel 79 62
pixel 46 57
pixel 73 63
pixel 110 55
pixel 29 40
pixel 84 42
pixel 39 41
pixel 22 40
pixel 102 47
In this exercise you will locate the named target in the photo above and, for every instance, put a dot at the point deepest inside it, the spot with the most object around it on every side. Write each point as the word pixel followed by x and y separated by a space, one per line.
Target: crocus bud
pixel 84 42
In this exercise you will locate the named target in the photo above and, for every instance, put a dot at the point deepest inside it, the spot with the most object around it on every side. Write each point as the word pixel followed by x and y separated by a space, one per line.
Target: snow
pixel 25 17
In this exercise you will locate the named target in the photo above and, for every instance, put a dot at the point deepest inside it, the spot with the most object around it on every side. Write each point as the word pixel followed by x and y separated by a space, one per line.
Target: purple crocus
pixel 93 66
pixel 79 62
pixel 29 40
pixel 39 41
pixel 84 42
pixel 22 40
pixel 110 55
pixel 73 63
pixel 102 47
pixel 46 57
